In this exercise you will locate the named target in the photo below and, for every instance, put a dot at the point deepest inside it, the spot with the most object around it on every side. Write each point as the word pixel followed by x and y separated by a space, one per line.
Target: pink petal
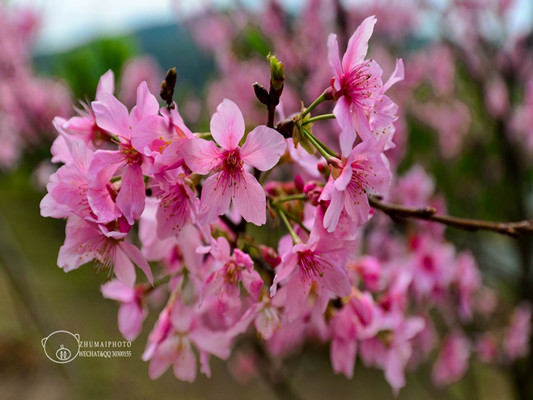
pixel 288 264
pixel 111 115
pixel 117 290
pixel 216 196
pixel 223 249
pixel 80 125
pixel 242 325
pixel 130 319
pixel 345 177
pixel 342 112
pixel 130 198
pixel 333 213
pixel 362 126
pixel 394 370
pixel 123 267
pixel 227 125
pixel 103 165
pixel 397 75
pixel 250 199
pixel 342 354
pixel 106 84
pixel 136 256
pixel 185 365
pixel 358 44
pixel 263 148
pixel 146 131
pixel 159 363
pixel 337 281
pixel 357 207
pixel 146 103
pixel 77 233
pixel 334 58
pixel 200 155
pixel 181 317
pixel 216 343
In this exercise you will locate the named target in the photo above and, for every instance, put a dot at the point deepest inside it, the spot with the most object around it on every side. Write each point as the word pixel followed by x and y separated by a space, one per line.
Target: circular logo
pixel 61 346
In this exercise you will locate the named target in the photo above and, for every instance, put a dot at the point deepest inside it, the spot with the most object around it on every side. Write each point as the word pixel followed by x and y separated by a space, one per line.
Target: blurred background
pixel 466 117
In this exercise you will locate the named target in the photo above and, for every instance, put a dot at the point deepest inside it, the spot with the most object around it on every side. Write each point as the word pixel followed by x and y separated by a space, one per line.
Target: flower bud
pixel 277 73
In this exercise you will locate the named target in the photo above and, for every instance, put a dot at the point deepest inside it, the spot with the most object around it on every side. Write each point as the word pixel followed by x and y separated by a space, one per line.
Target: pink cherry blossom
pixel 131 313
pixel 316 267
pixel 178 204
pixel 86 241
pixel 131 130
pixel 453 360
pixel 391 350
pixel 230 271
pixel 517 336
pixel 365 171
pixel 262 149
pixel 172 341
pixel 357 84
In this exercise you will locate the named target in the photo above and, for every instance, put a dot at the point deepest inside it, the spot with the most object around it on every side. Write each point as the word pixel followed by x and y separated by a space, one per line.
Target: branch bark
pixel 513 229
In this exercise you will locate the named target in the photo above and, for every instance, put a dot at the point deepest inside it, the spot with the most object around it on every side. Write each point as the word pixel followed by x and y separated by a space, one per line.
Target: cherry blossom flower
pixel 317 267
pixel 357 84
pixel 172 341
pixel 365 171
pixel 262 149
pixel 86 241
pixel 131 313
pixel 131 129
pixel 453 360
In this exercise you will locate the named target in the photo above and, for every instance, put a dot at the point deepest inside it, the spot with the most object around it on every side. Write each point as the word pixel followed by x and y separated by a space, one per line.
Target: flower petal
pixel 216 196
pixel 227 125
pixel 358 44
pixel 136 256
pixel 342 112
pixel 200 155
pixel 249 199
pixel 130 319
pixel 263 148
pixel 111 115
pixel 106 84
pixel 334 58
pixel 130 198
pixel 117 290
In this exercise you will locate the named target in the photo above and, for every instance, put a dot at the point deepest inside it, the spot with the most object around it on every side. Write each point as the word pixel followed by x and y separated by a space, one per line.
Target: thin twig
pixel 513 229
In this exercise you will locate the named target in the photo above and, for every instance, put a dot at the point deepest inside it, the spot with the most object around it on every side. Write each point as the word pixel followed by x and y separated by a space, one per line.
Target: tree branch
pixel 513 229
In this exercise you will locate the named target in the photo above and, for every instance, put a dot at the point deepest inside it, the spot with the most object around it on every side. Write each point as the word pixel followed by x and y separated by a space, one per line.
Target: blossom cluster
pixel 139 186
pixel 27 102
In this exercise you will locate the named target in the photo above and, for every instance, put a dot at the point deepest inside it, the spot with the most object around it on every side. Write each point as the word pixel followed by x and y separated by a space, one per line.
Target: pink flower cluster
pixel 138 186
pixel 27 102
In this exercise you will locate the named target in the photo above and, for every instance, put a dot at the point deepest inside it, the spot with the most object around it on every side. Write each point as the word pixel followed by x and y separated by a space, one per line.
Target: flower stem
pixel 328 150
pixel 319 118
pixel 294 236
pixel 315 103
pixel 322 149
pixel 299 196
pixel 295 219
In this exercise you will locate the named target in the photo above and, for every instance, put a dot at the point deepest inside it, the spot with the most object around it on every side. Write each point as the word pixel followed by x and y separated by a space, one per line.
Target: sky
pixel 67 23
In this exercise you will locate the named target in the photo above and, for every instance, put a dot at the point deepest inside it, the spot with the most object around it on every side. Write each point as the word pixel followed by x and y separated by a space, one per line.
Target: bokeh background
pixel 458 99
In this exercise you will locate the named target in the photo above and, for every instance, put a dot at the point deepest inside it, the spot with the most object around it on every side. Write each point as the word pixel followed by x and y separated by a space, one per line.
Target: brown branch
pixel 513 229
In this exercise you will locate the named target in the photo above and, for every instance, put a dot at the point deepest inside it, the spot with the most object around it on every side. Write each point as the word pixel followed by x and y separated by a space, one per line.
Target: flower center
pixel 312 266
pixel 360 173
pixel 131 155
pixel 233 273
pixel 232 162
pixel 360 84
